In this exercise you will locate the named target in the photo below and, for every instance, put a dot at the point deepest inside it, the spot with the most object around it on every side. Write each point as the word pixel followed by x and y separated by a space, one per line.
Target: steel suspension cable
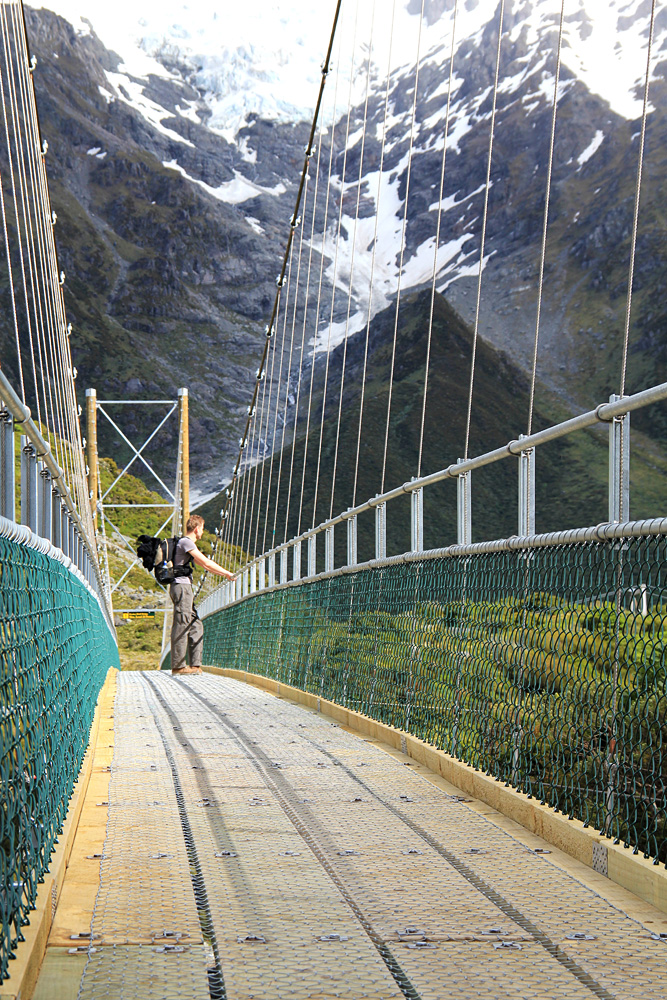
pixel 427 363
pixel 300 350
pixel 484 221
pixel 352 256
pixel 545 221
pixel 378 197
pixel 279 382
pixel 305 316
pixel 635 218
pixel 10 157
pixel 402 251
pixel 320 283
pixel 325 71
pixel 335 274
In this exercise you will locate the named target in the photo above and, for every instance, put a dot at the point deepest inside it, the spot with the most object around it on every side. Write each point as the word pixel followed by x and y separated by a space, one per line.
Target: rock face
pixel 171 235
pixel 167 285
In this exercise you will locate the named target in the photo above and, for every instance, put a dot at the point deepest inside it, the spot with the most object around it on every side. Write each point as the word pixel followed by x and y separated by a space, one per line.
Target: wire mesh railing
pixel 56 646
pixel 539 661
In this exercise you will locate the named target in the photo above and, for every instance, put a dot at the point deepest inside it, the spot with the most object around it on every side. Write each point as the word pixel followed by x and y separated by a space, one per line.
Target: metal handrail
pixel 22 415
pixel 604 413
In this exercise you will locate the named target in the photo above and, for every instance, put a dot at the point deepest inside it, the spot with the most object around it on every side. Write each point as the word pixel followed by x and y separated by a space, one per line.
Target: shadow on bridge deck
pixel 253 848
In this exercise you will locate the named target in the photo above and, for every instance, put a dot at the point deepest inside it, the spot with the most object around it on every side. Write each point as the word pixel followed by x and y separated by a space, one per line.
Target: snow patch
pixel 233 192
pixel 254 224
pixel 131 92
pixel 591 149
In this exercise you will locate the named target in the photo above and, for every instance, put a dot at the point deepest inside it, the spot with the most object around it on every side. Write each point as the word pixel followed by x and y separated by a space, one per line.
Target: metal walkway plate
pixel 255 850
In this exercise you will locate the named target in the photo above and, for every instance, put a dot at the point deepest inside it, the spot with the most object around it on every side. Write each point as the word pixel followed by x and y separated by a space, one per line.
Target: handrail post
pixel 283 565
pixel 8 485
pixel 296 561
pixel 29 484
pixel 261 574
pixel 352 541
pixel 381 531
pixel 526 491
pixel 619 466
pixel 56 520
pixel 463 507
pixel 417 520
pixel 329 549
pixel 45 520
pixel 64 528
pixel 312 555
pixel 272 569
pixel 246 582
pixel 253 578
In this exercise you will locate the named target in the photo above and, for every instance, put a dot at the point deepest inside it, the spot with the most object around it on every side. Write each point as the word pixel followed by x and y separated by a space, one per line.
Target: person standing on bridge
pixel 187 631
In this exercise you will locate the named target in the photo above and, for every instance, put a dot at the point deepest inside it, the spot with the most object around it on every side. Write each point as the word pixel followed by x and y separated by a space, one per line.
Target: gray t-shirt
pixel 183 557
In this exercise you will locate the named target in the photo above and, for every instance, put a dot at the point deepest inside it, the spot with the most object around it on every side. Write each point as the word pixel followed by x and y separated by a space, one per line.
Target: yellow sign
pixel 132 615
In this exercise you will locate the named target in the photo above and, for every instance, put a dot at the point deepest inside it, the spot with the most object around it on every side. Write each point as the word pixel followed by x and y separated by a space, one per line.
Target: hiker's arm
pixel 209 565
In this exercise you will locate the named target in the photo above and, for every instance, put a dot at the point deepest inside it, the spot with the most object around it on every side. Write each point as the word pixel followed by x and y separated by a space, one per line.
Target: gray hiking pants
pixel 187 631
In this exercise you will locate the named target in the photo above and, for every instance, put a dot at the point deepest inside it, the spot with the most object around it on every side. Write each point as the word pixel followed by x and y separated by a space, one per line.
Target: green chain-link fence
pixel 55 649
pixel 544 667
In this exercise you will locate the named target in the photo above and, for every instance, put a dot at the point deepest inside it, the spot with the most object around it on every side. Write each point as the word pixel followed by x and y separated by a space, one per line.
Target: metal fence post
pixel 7 477
pixel 283 565
pixel 239 587
pixel 272 569
pixel 72 538
pixel 526 491
pixel 417 520
pixel 29 484
pixel 56 522
pixel 296 561
pixel 246 582
pixel 312 555
pixel 381 531
pixel 64 529
pixel 619 467
pixel 464 508
pixel 329 549
pixel 261 574
pixel 253 578
pixel 352 540
pixel 45 505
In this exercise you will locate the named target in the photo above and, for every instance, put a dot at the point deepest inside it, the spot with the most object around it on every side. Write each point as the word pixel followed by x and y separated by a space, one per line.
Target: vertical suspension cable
pixel 427 363
pixel 277 406
pixel 333 288
pixel 635 218
pixel 319 288
pixel 10 157
pixel 301 352
pixel 325 72
pixel 373 254
pixel 545 221
pixel 402 251
pixel 305 317
pixel 483 236
pixel 352 256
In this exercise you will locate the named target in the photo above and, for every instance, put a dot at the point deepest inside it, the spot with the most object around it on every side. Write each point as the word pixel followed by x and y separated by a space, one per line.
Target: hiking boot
pixel 184 670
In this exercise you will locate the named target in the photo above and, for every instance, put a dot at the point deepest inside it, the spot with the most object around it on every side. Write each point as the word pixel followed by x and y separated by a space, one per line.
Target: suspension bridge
pixel 426 759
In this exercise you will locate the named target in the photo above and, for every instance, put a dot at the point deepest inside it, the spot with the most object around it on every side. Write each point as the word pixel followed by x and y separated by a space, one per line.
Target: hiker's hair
pixel 193 521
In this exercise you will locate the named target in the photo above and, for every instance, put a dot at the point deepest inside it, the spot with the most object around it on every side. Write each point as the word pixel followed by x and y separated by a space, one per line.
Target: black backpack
pixel 157 555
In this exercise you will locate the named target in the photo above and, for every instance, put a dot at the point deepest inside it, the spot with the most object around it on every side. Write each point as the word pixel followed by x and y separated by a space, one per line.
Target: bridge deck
pixel 254 849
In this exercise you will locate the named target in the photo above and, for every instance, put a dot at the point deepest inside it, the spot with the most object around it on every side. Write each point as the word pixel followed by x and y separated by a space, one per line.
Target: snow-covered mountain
pixel 205 111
